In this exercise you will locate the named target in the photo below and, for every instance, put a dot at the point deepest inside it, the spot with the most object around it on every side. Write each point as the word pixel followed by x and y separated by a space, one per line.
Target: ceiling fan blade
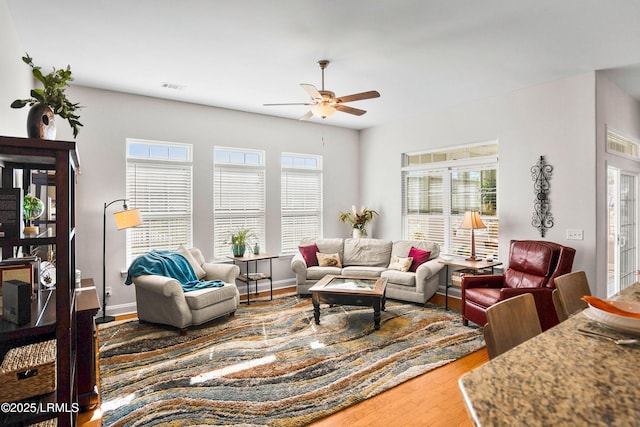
pixel 350 110
pixel 288 103
pixel 359 96
pixel 307 116
pixel 311 90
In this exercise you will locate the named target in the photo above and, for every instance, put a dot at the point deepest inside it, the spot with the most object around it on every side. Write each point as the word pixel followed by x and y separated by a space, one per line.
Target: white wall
pixel 109 118
pixel 556 120
pixel 16 81
pixel 382 148
pixel 621 113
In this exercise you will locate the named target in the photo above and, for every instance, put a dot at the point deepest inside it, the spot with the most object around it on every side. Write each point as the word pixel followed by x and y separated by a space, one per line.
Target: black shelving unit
pixel 54 313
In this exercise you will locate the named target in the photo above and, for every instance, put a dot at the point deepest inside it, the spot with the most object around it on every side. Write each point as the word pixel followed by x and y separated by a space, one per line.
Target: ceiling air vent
pixel 172 86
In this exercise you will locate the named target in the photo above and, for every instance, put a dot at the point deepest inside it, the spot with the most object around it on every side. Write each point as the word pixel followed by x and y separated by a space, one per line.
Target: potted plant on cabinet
pixel 49 100
pixel 239 240
pixel 32 208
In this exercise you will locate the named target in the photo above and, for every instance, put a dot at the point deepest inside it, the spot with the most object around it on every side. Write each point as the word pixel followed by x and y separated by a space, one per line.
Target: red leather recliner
pixel 533 264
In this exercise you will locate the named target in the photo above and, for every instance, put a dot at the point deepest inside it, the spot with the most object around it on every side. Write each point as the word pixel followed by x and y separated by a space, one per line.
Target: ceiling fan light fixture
pixel 324 102
pixel 323 109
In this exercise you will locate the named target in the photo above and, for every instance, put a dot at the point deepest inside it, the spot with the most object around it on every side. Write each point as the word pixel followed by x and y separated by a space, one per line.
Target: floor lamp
pixel 126 218
pixel 472 221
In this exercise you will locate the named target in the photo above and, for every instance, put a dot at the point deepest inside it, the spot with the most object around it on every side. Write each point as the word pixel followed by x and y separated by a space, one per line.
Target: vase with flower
pixel 359 219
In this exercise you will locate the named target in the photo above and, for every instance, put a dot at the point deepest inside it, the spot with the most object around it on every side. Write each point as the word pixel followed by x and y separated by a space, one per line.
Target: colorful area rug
pixel 270 364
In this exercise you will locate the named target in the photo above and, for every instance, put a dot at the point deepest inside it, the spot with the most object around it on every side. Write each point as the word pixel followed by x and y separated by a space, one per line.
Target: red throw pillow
pixel 309 254
pixel 419 257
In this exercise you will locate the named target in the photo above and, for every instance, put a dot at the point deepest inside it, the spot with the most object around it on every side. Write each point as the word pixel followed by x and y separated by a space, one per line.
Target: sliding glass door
pixel 622 228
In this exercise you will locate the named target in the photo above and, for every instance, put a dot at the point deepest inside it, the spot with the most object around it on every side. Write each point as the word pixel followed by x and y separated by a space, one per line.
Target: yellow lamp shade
pixel 127 218
pixel 472 221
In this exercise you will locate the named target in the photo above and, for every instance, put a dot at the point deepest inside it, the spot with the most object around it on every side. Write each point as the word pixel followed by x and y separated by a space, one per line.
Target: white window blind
pixel 159 183
pixel 301 199
pixel 238 196
pixel 424 205
pixel 437 194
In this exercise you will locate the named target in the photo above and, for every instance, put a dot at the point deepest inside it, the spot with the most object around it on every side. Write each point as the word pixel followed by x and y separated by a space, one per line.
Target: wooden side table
pixel 87 307
pixel 256 276
pixel 461 262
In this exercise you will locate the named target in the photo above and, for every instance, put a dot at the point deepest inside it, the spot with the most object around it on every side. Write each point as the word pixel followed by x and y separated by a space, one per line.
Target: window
pixel 301 199
pixel 159 183
pixel 238 196
pixel 619 144
pixel 439 187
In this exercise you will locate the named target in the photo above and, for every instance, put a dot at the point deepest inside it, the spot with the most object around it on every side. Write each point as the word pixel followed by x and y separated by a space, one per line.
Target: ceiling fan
pixel 324 102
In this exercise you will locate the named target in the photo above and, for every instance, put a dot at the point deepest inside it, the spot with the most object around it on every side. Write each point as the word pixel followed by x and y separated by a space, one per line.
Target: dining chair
pixel 571 287
pixel 560 310
pixel 509 323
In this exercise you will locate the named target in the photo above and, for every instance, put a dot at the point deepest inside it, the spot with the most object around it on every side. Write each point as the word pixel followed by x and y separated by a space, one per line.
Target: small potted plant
pixel 359 219
pixel 32 208
pixel 239 240
pixel 48 101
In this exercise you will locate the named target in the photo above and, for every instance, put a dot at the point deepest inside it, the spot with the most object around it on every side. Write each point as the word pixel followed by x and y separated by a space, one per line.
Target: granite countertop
pixel 558 378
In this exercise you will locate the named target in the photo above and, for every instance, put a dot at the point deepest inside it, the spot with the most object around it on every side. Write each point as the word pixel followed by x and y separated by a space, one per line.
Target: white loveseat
pixel 371 258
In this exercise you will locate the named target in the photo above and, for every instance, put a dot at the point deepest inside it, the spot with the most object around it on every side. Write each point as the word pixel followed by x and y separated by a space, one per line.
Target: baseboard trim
pixel 279 287
pixel 454 302
pixel 121 309
pixel 263 286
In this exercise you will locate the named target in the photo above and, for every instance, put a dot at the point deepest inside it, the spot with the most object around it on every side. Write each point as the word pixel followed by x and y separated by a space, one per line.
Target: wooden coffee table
pixel 350 290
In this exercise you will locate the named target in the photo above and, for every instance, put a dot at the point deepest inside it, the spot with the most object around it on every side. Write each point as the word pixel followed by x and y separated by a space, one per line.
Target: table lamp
pixel 126 218
pixel 472 221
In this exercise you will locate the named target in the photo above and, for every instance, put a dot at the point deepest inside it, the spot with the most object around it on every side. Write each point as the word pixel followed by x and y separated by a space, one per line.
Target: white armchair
pixel 161 299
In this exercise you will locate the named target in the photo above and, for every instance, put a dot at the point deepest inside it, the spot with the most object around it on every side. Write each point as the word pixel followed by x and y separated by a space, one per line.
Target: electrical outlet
pixel 574 234
pixel 108 291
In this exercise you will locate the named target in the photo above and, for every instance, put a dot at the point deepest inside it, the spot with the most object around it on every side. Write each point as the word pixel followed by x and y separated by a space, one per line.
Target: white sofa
pixel 161 299
pixel 371 258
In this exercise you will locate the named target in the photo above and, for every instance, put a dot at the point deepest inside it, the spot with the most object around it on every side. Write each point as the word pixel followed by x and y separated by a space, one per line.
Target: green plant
pixel 241 236
pixel 488 194
pixel 52 93
pixel 32 207
pixel 358 218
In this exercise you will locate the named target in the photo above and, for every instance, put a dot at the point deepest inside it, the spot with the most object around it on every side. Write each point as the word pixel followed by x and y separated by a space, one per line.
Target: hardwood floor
pixel 432 399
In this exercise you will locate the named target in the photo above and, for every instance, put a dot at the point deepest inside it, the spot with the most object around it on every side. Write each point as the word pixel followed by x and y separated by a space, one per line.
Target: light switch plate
pixel 574 234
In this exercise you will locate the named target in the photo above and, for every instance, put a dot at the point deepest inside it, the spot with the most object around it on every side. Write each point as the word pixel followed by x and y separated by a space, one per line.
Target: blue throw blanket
pixel 169 264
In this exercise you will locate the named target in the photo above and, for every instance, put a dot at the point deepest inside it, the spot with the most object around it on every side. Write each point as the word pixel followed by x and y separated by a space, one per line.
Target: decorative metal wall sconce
pixel 541 174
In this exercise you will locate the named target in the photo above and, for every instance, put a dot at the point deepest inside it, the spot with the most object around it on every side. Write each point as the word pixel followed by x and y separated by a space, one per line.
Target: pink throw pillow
pixel 419 257
pixel 309 254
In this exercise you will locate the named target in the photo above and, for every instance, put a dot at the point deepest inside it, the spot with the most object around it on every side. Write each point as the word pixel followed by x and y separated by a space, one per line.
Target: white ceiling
pixel 421 55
